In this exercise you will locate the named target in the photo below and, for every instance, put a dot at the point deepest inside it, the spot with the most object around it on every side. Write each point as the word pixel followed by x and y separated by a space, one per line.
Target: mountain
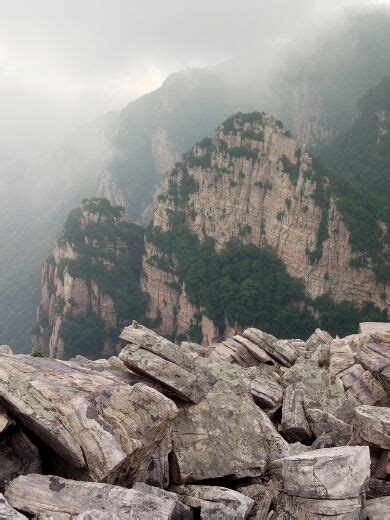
pixel 248 230
pixel 251 230
pixel 362 153
pixel 122 155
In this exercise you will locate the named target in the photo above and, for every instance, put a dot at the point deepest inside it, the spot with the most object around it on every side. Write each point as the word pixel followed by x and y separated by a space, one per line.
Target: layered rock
pixel 254 182
pixel 189 431
pixel 81 285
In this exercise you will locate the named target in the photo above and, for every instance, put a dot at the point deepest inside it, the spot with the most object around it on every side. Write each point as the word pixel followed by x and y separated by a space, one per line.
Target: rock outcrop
pixel 283 429
pixel 95 266
pixel 255 183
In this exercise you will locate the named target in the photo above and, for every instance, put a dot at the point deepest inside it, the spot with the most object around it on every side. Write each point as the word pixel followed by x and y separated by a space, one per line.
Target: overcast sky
pixel 65 61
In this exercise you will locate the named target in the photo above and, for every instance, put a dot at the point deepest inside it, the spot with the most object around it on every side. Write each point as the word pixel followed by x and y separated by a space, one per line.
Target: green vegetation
pixel 343 318
pixel 244 151
pixel 292 169
pixel 109 253
pixel 360 210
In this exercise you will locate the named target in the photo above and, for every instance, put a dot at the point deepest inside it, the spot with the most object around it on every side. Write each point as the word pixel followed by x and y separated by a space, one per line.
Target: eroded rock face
pixel 236 191
pixel 99 425
pixel 216 502
pixel 330 473
pixel 53 495
pixel 371 426
pixel 161 360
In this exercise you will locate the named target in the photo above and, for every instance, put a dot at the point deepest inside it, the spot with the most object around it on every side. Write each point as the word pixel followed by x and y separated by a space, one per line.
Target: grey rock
pixel 279 351
pixel 371 426
pixel 225 434
pixel 255 350
pixel 265 389
pixel 7 512
pixel 5 349
pixel 294 423
pixel 215 502
pixel 318 338
pixel 378 508
pixel 101 426
pixel 35 494
pixel 329 473
pixel 301 508
pixel 96 515
pixel 161 360
pixel 322 422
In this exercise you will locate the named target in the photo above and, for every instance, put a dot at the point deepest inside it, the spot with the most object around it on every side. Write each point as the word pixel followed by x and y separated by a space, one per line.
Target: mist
pixel 63 63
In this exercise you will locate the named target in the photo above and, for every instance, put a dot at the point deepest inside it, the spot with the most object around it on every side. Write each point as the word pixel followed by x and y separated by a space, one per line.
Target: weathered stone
pixel 265 390
pixel 5 349
pixel 378 508
pixel 372 361
pixel 371 327
pixel 329 473
pixel 161 360
pixel 263 496
pixel 35 494
pixel 371 426
pixel 282 353
pixel 26 451
pixel 255 350
pixel 318 338
pixel 378 488
pixel 5 420
pixel 367 389
pixel 216 502
pixel 98 424
pixel 182 510
pixel 322 422
pixel 7 512
pixel 351 374
pixel 341 358
pixel 225 434
pixel 300 508
pixel 294 423
pixel 243 355
pixel 96 515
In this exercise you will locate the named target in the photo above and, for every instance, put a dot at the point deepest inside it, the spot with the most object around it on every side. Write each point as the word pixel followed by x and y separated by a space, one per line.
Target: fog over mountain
pixel 114 90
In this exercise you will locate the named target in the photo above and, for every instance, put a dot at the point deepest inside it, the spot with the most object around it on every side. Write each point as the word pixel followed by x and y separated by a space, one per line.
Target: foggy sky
pixel 63 62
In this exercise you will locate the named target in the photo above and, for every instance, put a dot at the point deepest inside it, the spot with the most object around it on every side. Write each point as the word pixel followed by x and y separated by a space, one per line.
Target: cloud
pixel 79 58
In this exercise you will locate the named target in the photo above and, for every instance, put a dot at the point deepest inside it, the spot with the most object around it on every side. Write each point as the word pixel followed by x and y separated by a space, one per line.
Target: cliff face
pixel 253 182
pixel 86 283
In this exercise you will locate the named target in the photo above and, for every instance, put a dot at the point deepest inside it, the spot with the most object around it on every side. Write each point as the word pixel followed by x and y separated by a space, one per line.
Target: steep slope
pixel 90 286
pixel 122 155
pixel 253 183
pixel 362 153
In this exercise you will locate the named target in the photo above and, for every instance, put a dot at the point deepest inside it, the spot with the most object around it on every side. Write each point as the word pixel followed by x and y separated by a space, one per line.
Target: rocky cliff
pixel 90 284
pixel 254 183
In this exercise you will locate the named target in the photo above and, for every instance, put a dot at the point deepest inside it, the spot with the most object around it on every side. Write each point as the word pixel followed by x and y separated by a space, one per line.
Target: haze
pixel 64 62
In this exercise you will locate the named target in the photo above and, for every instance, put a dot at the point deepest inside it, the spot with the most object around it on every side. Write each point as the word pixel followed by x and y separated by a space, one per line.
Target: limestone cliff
pixel 253 182
pixel 88 282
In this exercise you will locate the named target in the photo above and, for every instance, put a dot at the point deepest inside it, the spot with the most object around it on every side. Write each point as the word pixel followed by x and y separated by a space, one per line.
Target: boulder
pixel 215 502
pixel 322 422
pixel 265 389
pixel 371 426
pixel 225 434
pixel 96 515
pixel 329 473
pixel 300 508
pixel 279 351
pixel 102 427
pixel 240 353
pixel 5 349
pixel 367 389
pixel 161 360
pixel 318 338
pixel 371 327
pixel 378 508
pixel 48 494
pixel 341 358
pixel 294 423
pixel 257 352
pixel 7 512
